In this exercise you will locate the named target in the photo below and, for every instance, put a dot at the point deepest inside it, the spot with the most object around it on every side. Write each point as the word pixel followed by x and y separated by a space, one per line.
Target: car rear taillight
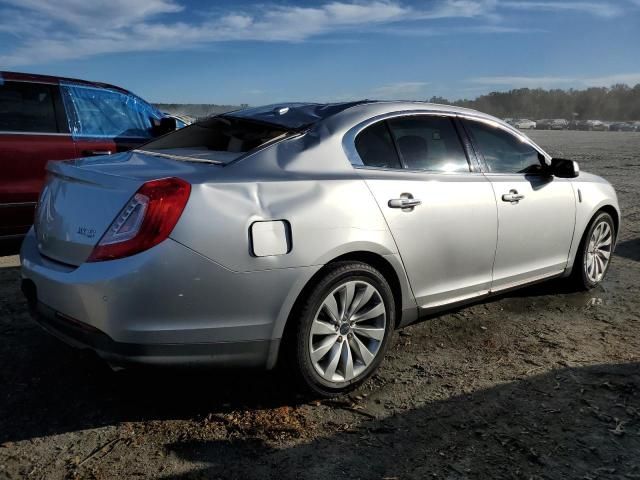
pixel 145 221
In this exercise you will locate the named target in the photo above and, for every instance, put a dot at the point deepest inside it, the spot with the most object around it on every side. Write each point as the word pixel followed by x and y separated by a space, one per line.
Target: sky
pixel 259 52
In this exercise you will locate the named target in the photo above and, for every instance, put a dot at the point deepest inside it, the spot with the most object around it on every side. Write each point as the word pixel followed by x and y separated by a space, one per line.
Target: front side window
pixel 100 112
pixel 27 107
pixel 502 151
pixel 427 142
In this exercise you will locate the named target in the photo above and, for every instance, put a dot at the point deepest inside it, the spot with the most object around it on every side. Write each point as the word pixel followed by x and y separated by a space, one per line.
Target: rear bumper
pixel 167 305
pixel 83 336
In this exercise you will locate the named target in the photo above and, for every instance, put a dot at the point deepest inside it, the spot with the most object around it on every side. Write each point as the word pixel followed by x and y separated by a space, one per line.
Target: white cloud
pixel 600 9
pixel 466 30
pixel 557 82
pixel 399 90
pixel 608 80
pixel 518 82
pixel 93 16
pixel 53 30
pixel 81 28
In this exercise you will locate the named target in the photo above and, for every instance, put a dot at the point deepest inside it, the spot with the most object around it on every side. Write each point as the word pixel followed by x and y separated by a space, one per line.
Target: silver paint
pixel 204 285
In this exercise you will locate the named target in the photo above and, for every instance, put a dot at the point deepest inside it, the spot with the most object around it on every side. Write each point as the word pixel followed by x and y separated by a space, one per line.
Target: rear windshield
pixel 215 140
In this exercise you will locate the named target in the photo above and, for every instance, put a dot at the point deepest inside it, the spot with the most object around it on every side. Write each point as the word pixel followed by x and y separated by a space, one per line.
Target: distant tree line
pixel 619 102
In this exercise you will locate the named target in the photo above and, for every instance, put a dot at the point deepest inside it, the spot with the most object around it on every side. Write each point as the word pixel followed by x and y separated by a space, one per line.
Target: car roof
pixel 299 115
pixel 36 78
pixel 294 115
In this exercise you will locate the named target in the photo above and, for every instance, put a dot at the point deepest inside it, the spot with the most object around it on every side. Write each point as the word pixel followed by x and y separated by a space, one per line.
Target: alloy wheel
pixel 347 331
pixel 598 252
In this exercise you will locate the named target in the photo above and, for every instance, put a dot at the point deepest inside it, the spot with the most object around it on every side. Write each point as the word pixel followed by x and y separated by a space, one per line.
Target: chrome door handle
pixel 404 202
pixel 513 196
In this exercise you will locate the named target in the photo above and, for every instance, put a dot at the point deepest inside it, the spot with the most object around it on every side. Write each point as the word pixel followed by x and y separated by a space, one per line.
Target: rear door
pixel 441 213
pixel 105 121
pixel 536 211
pixel 33 130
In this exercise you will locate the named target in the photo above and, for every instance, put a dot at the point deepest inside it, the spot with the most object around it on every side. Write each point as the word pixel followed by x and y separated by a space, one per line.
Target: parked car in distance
pixel 543 124
pixel 181 120
pixel 597 126
pixel 559 124
pixel 580 125
pixel 622 127
pixel 307 232
pixel 46 118
pixel 524 124
pixel 592 125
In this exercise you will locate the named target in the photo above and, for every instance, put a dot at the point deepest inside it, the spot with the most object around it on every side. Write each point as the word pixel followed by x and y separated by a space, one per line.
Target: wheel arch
pixel 615 215
pixel 380 263
pixel 607 208
pixel 611 210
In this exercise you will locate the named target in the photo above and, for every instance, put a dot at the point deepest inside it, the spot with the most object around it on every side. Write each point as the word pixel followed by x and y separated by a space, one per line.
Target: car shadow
pixel 568 423
pixel 629 249
pixel 49 388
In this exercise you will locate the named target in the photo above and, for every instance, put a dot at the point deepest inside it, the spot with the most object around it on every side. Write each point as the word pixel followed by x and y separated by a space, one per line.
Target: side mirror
pixel 563 168
pixel 163 126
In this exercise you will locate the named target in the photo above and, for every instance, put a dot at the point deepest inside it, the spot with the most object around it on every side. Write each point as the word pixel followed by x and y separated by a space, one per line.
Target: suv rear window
pixel 27 107
pixel 215 140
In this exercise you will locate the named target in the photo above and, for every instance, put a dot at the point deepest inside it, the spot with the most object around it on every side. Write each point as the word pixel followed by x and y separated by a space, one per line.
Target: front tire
pixel 345 326
pixel 594 256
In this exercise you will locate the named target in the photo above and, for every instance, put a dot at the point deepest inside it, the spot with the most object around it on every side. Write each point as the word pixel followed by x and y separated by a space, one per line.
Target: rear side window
pixel 27 107
pixel 100 112
pixel 502 151
pixel 375 147
pixel 430 143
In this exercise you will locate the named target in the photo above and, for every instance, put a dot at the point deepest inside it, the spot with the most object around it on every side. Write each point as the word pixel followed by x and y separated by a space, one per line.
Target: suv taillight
pixel 145 221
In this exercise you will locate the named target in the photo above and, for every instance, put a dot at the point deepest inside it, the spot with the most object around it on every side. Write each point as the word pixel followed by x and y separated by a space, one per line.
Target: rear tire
pixel 594 255
pixel 345 325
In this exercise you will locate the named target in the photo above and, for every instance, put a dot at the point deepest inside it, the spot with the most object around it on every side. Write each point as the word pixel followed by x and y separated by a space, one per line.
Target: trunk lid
pixel 82 197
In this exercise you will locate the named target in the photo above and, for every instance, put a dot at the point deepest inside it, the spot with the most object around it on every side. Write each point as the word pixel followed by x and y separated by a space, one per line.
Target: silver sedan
pixel 305 233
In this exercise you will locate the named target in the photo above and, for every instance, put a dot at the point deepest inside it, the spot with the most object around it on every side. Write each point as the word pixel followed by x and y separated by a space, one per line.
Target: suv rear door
pixel 106 120
pixel 33 130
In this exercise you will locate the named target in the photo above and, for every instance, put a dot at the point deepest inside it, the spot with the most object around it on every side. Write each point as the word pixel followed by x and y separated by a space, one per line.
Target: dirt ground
pixel 540 383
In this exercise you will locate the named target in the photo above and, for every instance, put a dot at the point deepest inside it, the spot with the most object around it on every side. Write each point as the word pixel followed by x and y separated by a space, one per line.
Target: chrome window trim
pixel 514 133
pixel 349 138
pixel 42 82
pixel 54 134
pixel 18 204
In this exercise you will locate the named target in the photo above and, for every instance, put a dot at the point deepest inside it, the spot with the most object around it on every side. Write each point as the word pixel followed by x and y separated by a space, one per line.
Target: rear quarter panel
pixel 312 186
pixel 304 181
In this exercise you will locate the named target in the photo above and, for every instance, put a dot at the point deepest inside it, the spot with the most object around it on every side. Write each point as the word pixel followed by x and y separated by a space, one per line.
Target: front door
pixel 536 211
pixel 441 215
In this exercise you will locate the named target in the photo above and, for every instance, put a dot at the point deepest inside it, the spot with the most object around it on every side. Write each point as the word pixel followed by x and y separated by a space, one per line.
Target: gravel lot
pixel 540 383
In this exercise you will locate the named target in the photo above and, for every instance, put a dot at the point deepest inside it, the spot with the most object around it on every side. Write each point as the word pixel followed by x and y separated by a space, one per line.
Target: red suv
pixel 46 118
